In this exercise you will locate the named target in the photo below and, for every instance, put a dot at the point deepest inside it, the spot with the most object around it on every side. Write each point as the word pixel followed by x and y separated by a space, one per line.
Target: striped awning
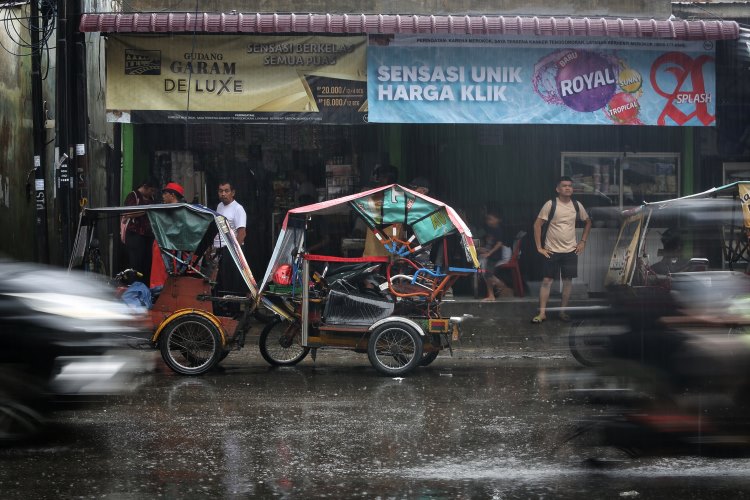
pixel 163 22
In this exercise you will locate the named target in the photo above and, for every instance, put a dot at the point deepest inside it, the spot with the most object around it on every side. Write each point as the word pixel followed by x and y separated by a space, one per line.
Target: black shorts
pixel 564 265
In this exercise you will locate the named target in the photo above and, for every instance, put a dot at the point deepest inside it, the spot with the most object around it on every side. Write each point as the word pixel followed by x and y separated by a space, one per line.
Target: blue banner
pixel 555 80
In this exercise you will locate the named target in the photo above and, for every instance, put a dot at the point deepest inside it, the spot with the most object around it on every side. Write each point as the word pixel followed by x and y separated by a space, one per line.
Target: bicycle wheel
pixel 394 348
pixel 280 343
pixel 191 345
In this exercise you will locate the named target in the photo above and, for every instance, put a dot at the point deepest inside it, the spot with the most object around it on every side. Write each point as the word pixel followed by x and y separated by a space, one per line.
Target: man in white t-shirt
pixel 559 246
pixel 229 280
pixel 233 211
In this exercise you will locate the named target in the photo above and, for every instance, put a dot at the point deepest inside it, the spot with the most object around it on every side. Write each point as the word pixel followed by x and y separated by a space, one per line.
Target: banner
pixel 236 79
pixel 550 80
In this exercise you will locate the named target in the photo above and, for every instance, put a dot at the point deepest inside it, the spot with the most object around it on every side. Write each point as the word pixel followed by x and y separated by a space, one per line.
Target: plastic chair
pixel 514 265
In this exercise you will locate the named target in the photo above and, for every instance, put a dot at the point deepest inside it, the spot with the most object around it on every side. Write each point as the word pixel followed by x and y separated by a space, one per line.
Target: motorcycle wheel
pixel 394 348
pixel 191 345
pixel 23 403
pixel 588 341
pixel 280 343
pixel 18 422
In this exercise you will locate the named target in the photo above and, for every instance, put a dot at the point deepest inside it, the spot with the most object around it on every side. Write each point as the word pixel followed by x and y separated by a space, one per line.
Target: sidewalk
pixel 505 325
pixel 503 328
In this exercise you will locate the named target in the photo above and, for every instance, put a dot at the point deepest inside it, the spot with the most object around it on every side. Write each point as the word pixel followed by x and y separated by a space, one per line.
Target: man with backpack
pixel 555 237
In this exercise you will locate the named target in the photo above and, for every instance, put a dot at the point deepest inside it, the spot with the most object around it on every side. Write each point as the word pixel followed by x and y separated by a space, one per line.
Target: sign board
pixel 236 79
pixel 432 78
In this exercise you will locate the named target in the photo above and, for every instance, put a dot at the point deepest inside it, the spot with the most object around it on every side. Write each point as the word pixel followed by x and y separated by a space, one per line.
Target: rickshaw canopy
pixel 724 209
pixel 177 227
pixel 424 218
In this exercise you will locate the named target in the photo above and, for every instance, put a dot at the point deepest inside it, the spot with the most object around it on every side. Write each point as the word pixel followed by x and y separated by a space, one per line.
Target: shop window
pixel 734 172
pixel 621 180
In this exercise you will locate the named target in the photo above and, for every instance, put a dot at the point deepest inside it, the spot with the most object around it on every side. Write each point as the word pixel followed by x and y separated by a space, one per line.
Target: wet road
pixel 472 427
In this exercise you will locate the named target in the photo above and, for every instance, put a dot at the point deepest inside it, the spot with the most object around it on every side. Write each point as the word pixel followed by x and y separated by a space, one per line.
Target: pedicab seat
pixel 352 309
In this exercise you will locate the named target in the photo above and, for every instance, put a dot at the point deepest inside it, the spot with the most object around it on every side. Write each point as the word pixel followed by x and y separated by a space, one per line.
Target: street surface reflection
pixel 462 428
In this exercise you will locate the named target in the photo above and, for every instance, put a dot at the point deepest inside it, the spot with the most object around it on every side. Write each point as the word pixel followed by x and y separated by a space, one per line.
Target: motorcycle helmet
pixel 283 275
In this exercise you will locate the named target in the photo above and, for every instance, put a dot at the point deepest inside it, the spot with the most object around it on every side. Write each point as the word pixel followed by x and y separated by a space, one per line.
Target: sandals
pixel 540 319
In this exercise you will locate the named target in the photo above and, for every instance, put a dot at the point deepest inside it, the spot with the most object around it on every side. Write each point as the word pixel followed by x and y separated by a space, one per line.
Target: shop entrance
pixel 273 169
pixel 473 168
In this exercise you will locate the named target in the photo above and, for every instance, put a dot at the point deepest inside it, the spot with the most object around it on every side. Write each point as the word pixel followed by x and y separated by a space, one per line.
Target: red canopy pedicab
pixel 388 306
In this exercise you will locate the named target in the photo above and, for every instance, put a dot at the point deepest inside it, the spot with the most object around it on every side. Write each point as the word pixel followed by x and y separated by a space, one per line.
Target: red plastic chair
pixel 513 265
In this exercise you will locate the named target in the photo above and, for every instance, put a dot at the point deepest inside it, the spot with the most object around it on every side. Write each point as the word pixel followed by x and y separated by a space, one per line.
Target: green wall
pixel 136 165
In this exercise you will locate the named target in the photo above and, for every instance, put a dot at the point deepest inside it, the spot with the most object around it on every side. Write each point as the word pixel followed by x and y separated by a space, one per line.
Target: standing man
pixel 555 237
pixel 229 278
pixel 138 234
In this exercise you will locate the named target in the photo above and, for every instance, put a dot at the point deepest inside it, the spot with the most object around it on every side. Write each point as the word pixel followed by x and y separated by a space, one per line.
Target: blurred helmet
pixel 283 275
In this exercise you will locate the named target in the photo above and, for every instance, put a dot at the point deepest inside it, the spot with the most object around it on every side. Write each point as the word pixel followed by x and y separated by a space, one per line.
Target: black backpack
pixel 552 209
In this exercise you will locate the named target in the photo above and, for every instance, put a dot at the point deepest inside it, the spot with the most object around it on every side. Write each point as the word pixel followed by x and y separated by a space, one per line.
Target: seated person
pixel 671 255
pixel 493 253
pixel 172 193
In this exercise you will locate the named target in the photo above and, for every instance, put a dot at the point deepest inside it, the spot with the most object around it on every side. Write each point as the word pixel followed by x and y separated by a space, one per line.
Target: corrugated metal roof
pixel 205 22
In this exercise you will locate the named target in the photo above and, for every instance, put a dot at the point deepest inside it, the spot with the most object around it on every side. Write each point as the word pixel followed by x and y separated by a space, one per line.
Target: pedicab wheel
pixel 428 357
pixel 280 343
pixel 394 348
pixel 191 345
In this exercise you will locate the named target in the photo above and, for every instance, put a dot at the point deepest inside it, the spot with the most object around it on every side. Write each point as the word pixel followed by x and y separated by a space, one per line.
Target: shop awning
pixel 163 22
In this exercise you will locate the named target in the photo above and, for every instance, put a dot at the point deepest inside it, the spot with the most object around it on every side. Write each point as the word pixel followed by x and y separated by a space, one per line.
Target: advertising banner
pixel 551 80
pixel 236 79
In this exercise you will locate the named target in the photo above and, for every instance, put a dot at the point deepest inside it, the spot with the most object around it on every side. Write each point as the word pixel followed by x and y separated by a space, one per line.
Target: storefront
pixel 480 105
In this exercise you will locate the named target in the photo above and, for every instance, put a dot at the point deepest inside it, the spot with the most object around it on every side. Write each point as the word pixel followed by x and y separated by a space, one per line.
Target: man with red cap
pixel 172 193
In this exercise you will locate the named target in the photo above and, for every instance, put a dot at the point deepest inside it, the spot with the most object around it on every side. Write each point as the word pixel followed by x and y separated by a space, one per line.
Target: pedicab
pixel 666 254
pixel 388 306
pixel 190 328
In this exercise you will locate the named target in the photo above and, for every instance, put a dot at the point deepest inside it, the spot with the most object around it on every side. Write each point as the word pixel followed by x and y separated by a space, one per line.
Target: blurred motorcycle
pixel 59 339
pixel 677 380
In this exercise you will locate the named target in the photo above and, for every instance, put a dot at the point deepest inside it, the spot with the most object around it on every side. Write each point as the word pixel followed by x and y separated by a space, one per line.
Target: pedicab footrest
pixel 225 298
pixel 356 310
